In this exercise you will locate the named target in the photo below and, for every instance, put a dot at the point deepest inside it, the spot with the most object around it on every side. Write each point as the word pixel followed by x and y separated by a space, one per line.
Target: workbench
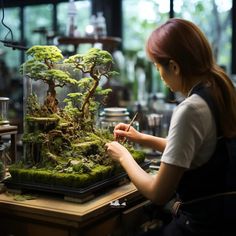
pixel 51 215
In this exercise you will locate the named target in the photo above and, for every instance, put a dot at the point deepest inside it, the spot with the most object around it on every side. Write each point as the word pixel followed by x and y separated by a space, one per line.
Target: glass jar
pixel 4 101
pixel 112 116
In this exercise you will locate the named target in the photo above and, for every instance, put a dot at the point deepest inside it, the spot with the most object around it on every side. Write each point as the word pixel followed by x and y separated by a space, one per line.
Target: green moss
pixel 139 156
pixel 48 177
pixel 23 197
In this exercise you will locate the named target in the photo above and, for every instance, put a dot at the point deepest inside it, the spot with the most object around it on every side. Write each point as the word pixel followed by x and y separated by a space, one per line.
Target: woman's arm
pixel 158 188
pixel 153 142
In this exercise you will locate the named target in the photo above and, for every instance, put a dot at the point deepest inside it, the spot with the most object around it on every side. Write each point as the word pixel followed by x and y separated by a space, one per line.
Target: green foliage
pixel 59 76
pixel 93 57
pixel 97 63
pixel 45 53
pixel 33 105
pixel 48 65
pixel 33 69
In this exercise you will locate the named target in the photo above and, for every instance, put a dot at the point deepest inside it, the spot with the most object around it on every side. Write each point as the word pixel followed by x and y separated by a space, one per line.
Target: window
pixel 38 20
pixel 140 17
pixel 214 18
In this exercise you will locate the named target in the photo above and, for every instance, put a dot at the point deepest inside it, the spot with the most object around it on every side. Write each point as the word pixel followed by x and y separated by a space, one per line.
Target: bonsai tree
pixel 97 63
pixel 58 132
pixel 43 66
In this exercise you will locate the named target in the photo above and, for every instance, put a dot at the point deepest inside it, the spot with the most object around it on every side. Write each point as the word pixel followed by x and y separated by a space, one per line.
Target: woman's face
pixel 170 75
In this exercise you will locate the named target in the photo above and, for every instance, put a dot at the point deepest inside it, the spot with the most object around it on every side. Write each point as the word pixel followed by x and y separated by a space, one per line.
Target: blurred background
pixel 124 28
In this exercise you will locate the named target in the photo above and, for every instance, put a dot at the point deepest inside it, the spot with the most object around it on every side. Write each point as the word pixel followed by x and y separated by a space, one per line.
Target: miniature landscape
pixel 63 146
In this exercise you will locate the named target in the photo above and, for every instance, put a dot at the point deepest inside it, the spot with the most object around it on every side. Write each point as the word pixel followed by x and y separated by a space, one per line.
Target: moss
pixel 139 156
pixel 52 178
pixel 21 197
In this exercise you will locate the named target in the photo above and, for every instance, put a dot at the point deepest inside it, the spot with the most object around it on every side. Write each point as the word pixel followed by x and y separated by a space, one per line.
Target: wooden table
pixel 108 43
pixel 50 215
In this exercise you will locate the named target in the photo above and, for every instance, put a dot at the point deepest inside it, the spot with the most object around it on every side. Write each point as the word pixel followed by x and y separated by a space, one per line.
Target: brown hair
pixel 183 42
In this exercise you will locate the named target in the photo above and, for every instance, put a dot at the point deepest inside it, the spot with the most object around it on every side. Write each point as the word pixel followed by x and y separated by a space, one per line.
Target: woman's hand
pixel 116 151
pixel 121 132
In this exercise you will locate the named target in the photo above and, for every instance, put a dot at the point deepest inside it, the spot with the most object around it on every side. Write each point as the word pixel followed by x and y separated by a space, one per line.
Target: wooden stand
pixel 12 131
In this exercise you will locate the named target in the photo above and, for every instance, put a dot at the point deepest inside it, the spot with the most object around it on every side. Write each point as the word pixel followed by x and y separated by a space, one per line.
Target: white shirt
pixel 192 135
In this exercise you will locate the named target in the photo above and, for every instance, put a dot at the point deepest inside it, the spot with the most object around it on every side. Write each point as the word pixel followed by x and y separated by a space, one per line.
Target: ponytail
pixel 224 95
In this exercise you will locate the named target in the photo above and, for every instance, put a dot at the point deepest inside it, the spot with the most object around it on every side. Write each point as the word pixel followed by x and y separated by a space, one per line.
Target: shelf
pixel 108 43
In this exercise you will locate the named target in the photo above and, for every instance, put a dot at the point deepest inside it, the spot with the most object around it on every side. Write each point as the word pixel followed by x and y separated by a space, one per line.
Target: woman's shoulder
pixel 193 112
pixel 194 105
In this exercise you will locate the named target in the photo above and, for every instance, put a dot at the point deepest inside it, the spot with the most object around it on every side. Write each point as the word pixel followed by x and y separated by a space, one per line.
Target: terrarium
pixel 63 147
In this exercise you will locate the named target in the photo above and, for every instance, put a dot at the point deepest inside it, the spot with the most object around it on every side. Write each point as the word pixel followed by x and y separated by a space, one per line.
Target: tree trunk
pixel 51 102
pixel 85 105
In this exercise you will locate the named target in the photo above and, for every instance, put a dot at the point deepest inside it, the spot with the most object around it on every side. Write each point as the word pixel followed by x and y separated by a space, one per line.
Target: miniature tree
pixel 44 66
pixel 97 63
pixel 64 129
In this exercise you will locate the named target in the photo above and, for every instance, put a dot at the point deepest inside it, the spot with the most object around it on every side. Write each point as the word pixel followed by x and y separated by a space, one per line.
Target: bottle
pixel 72 12
pixel 101 28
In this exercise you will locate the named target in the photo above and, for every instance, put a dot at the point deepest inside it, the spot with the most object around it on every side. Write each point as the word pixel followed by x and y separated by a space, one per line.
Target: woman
pixel 183 57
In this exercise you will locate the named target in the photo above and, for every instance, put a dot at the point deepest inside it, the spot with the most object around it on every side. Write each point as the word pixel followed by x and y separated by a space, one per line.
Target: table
pixel 50 215
pixel 108 43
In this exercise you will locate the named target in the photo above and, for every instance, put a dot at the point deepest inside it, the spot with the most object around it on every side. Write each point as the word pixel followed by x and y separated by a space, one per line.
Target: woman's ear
pixel 174 67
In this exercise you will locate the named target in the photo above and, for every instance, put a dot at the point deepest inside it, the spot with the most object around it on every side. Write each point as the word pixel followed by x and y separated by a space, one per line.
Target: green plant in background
pixel 62 145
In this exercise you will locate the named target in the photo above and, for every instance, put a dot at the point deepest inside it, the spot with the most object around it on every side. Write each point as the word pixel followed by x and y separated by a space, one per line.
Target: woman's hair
pixel 182 41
